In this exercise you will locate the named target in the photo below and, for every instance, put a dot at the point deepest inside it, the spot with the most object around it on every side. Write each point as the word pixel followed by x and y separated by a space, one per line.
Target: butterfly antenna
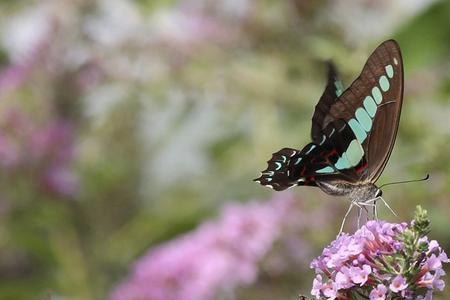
pixel 407 181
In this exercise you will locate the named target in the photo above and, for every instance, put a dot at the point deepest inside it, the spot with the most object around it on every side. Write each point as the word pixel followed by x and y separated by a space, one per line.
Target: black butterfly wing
pixel 372 105
pixel 315 162
pixel 331 93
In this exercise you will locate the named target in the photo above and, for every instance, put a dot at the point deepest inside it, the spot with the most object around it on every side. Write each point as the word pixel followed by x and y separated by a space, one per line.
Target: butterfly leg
pixel 375 212
pixel 387 205
pixel 345 218
pixel 373 205
pixel 361 206
pixel 353 203
pixel 374 209
pixel 359 218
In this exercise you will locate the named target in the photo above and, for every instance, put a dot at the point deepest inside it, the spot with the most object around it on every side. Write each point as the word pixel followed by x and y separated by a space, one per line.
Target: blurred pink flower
pixel 15 74
pixel 217 256
pixel 61 181
pixel 52 142
pixel 12 76
pixel 9 154
pixel 43 152
pixel 188 28
pixel 51 148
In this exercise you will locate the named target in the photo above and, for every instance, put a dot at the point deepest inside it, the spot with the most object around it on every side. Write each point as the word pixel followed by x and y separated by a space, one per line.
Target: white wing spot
pixel 323 140
pixel 332 132
pixel 269 173
pixel 310 149
pixel 395 61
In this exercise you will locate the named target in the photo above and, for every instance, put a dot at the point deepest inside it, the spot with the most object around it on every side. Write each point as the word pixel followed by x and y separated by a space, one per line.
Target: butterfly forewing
pixel 382 138
pixel 372 105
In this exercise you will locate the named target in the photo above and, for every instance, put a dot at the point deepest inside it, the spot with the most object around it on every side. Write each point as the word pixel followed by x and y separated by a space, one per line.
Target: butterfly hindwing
pixel 331 93
pixel 342 154
pixel 277 174
pixel 290 167
pixel 284 171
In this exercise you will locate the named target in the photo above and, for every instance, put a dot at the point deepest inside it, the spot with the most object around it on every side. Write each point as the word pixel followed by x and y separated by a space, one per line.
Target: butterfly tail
pixel 276 176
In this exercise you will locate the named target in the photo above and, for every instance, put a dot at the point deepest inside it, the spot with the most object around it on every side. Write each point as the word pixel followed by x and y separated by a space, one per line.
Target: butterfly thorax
pixel 356 192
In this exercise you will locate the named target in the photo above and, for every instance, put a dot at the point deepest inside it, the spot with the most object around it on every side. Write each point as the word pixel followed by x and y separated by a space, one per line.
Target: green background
pixel 174 118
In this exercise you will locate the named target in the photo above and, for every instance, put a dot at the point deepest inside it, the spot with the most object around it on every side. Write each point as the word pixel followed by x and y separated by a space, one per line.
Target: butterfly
pixel 353 132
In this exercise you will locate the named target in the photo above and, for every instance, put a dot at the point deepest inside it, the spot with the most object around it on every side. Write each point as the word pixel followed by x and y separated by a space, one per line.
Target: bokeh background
pixel 130 132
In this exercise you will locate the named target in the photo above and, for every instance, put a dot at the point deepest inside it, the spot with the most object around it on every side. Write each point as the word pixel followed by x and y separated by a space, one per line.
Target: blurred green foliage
pixel 173 118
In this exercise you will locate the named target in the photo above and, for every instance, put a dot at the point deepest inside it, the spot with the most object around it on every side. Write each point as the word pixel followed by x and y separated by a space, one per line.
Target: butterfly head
pixel 379 193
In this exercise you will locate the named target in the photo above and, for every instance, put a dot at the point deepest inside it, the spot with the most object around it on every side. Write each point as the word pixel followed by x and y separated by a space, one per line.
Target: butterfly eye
pixel 379 193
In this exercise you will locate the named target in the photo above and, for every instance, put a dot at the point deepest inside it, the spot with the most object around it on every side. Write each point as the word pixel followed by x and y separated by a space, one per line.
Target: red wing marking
pixel 360 169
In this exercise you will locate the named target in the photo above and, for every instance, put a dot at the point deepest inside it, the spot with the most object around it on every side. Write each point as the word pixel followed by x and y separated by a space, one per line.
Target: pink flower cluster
pixel 215 258
pixel 375 263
